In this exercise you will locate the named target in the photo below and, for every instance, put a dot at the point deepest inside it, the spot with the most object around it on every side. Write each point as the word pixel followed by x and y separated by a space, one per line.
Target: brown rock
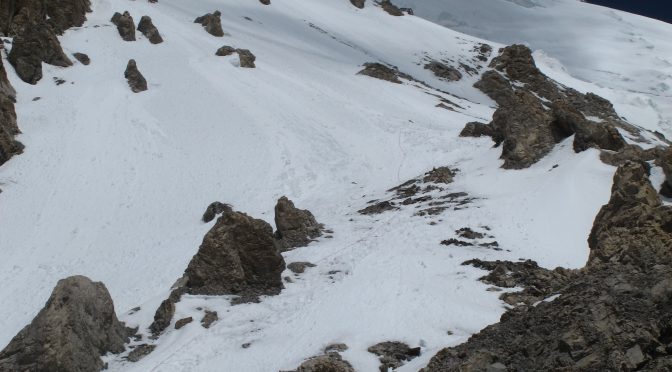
pixel 135 79
pixel 82 58
pixel 8 127
pixel 209 318
pixel 666 164
pixel 299 267
pixel 393 354
pixel 212 23
pixel 246 58
pixel 182 322
pixel 35 45
pixel 225 51
pixel 380 71
pixel 358 3
pixel 164 314
pixel 125 25
pixel 149 30
pixel 215 209
pixel 295 227
pixel 390 8
pixel 76 326
pixel 140 352
pixel 331 362
pixel 265 2
pixel 444 71
pixel 16 16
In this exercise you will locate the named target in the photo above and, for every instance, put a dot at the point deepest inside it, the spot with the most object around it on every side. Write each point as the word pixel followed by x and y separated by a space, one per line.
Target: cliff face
pixel 17 15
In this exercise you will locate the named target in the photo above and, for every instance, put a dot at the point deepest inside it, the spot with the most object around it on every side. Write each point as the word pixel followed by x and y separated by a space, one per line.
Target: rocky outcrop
pixel 212 23
pixel 215 209
pixel 246 58
pixel 135 79
pixel 16 16
pixel 331 362
pixel 76 326
pixel 444 71
pixel 295 227
pixel 125 25
pixel 35 45
pixel 393 354
pixel 665 162
pixel 390 8
pixel 299 267
pixel 358 3
pixel 381 71
pixel 535 113
pixel 149 30
pixel 82 58
pixel 265 2
pixel 165 312
pixel 140 352
pixel 8 127
pixel 615 314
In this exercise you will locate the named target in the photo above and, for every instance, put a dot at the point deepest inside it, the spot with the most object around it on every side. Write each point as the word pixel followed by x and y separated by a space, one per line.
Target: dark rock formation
pixel 237 256
pixel 182 322
pixel 331 362
pixel 393 354
pixel 390 8
pixel 135 79
pixel 212 23
pixel 8 127
pixel 140 352
pixel 82 58
pixel 265 2
pixel 209 318
pixel 225 51
pixel 149 30
pixel 444 71
pixel 358 3
pixel 295 227
pixel 16 16
pixel 299 267
pixel 246 58
pixel 76 326
pixel 125 25
pixel 665 161
pixel 380 71
pixel 613 315
pixel 442 175
pixel 535 113
pixel 164 314
pixel 35 45
pixel 215 209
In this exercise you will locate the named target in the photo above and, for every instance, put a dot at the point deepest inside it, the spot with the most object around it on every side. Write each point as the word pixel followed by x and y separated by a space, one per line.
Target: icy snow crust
pixel 623 57
pixel 112 184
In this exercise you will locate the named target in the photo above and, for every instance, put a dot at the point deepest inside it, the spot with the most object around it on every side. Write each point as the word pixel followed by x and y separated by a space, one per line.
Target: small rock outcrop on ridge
pixel 125 25
pixel 149 30
pixel 614 314
pixel 535 113
pixel 76 326
pixel 8 127
pixel 37 44
pixel 212 23
pixel 135 79
pixel 295 227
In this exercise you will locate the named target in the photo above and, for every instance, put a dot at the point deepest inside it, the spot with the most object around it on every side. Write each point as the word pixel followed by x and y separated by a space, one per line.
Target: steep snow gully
pixel 113 179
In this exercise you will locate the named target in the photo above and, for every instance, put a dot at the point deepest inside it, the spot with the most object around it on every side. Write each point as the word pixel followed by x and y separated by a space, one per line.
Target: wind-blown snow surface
pixel 112 184
pixel 626 58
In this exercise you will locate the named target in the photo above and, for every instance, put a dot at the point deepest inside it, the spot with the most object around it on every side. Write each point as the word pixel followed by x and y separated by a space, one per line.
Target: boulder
pixel 182 322
pixel 299 267
pixel 165 312
pixel 390 8
pixel 358 3
pixel 393 354
pixel 265 2
pixel 125 25
pixel 380 71
pixel 209 318
pixel 237 257
pixel 295 227
pixel 35 45
pixel 444 71
pixel 76 326
pixel 331 362
pixel 225 51
pixel 16 16
pixel 149 30
pixel 8 126
pixel 140 352
pixel 246 58
pixel 212 23
pixel 135 79
pixel 82 58
pixel 666 163
pixel 215 209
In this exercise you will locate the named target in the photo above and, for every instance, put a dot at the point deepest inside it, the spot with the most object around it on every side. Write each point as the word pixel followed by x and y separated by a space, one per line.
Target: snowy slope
pixel 112 184
pixel 626 57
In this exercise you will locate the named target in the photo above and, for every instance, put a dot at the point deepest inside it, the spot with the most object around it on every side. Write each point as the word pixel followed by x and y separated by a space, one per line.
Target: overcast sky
pixel 660 9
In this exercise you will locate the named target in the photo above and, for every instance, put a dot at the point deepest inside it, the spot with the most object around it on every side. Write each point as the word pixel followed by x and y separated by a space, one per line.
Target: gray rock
pixel 125 25
pixel 390 8
pixel 325 363
pixel 149 30
pixel 76 326
pixel 212 23
pixel 444 71
pixel 82 58
pixel 16 16
pixel 295 227
pixel 299 267
pixel 37 44
pixel 8 126
pixel 380 71
pixel 140 352
pixel 182 322
pixel 215 209
pixel 209 318
pixel 225 51
pixel 393 354
pixel 165 312
pixel 358 3
pixel 135 79
pixel 246 58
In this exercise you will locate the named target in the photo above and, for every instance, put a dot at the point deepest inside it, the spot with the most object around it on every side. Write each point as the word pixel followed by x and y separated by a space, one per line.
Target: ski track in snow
pixel 112 184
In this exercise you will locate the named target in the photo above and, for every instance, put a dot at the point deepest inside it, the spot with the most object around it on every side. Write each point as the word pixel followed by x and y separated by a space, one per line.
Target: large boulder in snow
pixel 246 58
pixel 295 227
pixel 518 87
pixel 613 315
pixel 125 25
pixel 135 79
pixel 212 23
pixel 149 30
pixel 16 16
pixel 76 326
pixel 8 127
pixel 35 45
